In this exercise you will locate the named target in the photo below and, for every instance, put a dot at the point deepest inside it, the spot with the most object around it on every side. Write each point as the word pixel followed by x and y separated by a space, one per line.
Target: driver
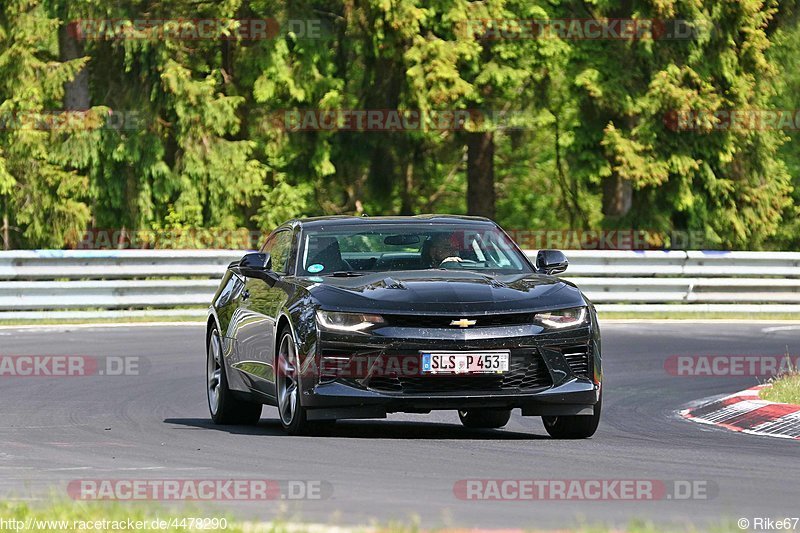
pixel 442 249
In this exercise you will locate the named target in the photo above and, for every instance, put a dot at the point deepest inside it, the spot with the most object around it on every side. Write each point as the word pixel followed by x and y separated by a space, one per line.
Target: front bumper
pixel 549 374
pixel 337 400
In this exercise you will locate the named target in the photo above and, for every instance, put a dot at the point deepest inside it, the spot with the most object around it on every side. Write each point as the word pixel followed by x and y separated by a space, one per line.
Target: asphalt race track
pixel 155 425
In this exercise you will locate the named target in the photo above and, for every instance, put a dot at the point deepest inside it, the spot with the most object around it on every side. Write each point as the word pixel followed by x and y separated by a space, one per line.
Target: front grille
pixel 443 321
pixel 526 370
pixel 578 359
pixel 386 384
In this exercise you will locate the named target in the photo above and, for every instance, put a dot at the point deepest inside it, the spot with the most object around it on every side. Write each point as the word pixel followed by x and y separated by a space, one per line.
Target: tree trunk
pixel 480 174
pixel 6 235
pixel 123 236
pixel 407 191
pixel 76 92
pixel 617 196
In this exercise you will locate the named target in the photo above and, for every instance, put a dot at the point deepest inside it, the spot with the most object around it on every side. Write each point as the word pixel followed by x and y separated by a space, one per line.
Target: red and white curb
pixel 747 413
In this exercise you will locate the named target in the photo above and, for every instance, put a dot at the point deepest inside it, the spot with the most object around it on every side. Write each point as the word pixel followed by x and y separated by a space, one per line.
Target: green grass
pixel 783 389
pixel 119 320
pixel 68 515
pixel 699 316
pixel 648 527
pixel 72 513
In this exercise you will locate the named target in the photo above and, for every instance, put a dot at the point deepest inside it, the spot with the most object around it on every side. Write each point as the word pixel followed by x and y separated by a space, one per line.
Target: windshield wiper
pixel 345 274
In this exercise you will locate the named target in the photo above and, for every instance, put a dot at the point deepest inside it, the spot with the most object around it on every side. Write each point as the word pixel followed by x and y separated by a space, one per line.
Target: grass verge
pixel 69 516
pixel 115 320
pixel 783 389
pixel 94 516
pixel 699 316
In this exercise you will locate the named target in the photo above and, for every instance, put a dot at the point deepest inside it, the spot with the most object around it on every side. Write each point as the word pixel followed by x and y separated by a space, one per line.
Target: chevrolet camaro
pixel 356 317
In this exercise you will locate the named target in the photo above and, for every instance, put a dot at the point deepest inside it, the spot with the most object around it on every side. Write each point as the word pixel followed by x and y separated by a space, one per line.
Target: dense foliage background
pixel 592 142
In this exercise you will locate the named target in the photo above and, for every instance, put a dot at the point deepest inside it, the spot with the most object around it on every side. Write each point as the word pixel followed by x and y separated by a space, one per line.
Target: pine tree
pixel 41 190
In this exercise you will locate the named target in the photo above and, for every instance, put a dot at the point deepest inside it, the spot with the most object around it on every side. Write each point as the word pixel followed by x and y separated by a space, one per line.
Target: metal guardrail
pixel 651 263
pixel 128 283
pixel 113 264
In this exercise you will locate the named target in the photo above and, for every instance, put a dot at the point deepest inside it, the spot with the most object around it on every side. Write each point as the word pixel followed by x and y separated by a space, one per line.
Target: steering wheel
pixel 458 261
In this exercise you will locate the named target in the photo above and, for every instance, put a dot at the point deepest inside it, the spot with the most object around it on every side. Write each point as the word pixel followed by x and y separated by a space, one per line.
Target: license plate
pixel 491 362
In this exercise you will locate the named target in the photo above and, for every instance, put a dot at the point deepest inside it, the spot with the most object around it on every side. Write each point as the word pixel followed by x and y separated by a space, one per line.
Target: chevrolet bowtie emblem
pixel 463 323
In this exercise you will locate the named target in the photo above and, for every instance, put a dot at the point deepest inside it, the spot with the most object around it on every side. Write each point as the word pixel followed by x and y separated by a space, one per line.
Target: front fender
pixel 300 314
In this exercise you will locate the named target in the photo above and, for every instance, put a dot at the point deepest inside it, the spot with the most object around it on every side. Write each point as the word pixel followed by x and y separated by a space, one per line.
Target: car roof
pixel 346 220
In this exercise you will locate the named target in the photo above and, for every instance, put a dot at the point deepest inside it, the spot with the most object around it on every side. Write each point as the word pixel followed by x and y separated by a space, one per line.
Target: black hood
pixel 443 291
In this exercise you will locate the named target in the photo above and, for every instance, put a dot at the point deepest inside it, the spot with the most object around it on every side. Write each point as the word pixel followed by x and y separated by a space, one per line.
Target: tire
pixel 485 418
pixel 573 427
pixel 224 407
pixel 292 414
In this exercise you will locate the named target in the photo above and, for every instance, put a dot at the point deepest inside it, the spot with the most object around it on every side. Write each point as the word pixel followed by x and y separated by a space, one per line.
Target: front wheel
pixel 225 408
pixel 573 427
pixel 485 418
pixel 287 383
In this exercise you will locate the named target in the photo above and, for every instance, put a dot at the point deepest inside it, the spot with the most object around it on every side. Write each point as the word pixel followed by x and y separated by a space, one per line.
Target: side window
pixel 279 247
pixel 267 246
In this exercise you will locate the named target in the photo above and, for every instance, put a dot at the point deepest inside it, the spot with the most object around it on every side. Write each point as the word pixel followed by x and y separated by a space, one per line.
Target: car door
pixel 261 304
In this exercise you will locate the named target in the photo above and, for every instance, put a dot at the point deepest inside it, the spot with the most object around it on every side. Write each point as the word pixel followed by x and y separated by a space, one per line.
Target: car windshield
pixel 360 249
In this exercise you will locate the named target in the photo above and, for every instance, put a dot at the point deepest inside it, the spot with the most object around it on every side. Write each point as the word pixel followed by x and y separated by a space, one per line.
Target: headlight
pixel 347 321
pixel 563 318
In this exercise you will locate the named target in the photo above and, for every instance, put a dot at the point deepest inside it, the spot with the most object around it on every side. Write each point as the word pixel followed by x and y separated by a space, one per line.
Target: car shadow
pixel 368 429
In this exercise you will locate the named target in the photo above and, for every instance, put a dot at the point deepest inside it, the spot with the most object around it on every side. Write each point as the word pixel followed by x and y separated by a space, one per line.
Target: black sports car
pixel 357 317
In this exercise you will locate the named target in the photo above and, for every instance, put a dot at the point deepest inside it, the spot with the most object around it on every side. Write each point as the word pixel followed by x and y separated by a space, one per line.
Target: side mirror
pixel 551 261
pixel 255 265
